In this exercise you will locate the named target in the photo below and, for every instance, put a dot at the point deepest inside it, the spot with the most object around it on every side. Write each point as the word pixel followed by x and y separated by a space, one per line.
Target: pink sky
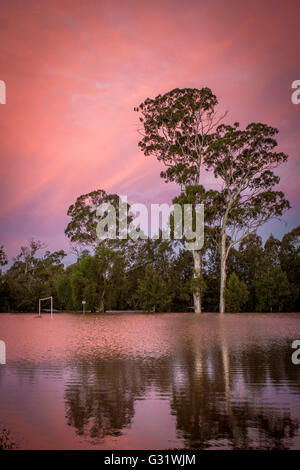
pixel 74 70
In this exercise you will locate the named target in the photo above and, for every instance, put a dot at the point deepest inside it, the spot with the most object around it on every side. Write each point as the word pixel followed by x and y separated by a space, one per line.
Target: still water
pixel 157 381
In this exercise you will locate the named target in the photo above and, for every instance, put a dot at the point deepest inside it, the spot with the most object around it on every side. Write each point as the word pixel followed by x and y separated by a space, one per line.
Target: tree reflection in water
pixel 100 401
pixel 226 401
pixel 221 397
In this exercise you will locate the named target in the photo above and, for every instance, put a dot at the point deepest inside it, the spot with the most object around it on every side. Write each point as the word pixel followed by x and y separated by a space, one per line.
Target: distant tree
pixel 82 232
pixel 180 290
pixel 250 265
pixel 273 291
pixel 289 256
pixel 236 294
pixel 243 160
pixel 152 291
pixel 64 290
pixel 169 261
pixel 289 253
pixel 27 254
pixel 32 277
pixel 272 250
pixel 98 279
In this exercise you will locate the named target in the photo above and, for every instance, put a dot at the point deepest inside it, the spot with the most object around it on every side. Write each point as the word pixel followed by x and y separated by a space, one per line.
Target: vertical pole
pixel 51 308
pixel 39 307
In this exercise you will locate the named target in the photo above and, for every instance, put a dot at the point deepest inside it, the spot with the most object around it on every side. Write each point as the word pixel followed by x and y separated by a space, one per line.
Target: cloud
pixel 74 70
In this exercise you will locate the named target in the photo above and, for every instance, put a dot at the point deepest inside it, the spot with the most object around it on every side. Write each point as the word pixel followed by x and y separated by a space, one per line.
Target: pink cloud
pixel 74 70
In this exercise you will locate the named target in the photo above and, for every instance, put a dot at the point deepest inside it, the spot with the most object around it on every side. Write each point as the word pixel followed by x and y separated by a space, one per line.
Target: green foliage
pixel 289 256
pixel 179 130
pixel 98 280
pixel 236 294
pixel 152 291
pixel 30 278
pixel 158 273
pixel 249 264
pixel 3 257
pixel 82 229
pixel 64 292
pixel 176 128
pixel 273 291
pixel 243 159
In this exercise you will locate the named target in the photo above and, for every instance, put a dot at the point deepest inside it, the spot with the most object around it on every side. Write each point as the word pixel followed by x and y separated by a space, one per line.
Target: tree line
pixel 156 275
pixel 233 271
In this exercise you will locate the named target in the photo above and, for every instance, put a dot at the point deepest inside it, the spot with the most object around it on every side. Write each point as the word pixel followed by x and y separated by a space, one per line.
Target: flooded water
pixel 138 381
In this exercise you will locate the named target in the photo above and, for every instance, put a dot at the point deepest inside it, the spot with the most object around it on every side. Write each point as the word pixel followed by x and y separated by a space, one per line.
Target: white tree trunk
pixel 223 272
pixel 197 275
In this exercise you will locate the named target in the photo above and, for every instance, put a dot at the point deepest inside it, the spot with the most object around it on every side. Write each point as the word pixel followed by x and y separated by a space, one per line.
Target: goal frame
pixel 51 301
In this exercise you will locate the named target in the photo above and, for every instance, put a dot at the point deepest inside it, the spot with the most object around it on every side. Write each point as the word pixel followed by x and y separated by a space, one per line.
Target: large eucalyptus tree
pixel 243 160
pixel 176 129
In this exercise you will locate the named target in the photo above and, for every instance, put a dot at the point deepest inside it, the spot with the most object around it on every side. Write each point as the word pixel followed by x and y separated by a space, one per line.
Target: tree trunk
pixel 197 275
pixel 101 306
pixel 223 272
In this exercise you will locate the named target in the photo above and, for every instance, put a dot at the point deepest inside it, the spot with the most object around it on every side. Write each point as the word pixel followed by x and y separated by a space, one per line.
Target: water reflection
pixel 100 400
pixel 225 401
pixel 154 381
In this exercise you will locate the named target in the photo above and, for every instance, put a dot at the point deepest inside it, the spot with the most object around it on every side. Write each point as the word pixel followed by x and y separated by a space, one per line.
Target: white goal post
pixel 46 298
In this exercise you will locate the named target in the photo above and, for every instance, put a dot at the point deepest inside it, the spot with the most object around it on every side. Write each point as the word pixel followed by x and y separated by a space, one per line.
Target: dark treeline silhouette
pixel 156 275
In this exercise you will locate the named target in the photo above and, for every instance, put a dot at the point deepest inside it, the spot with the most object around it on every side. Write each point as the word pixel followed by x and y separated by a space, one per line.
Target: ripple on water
pixel 151 381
